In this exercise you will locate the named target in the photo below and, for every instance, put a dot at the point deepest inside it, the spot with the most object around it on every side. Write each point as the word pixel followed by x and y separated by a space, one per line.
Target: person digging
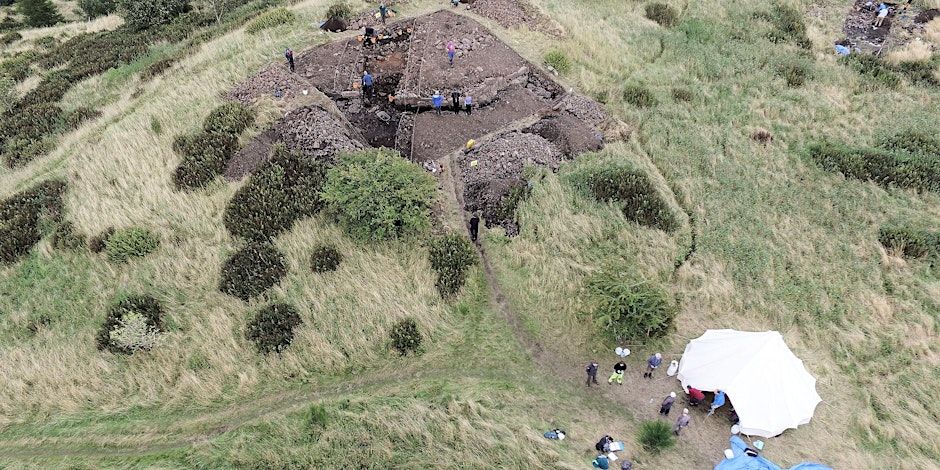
pixel 619 369
pixel 383 11
pixel 289 55
pixel 368 85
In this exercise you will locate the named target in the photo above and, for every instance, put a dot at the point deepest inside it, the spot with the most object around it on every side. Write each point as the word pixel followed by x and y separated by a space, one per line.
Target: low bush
pixel 315 419
pixel 886 168
pixel 451 256
pixel 794 72
pixel 923 72
pixel 339 10
pixel 9 38
pixel 640 201
pixel 17 66
pixel 874 68
pixel 142 14
pixel 558 61
pixel 911 141
pixel 39 13
pixel 128 243
pixel 271 19
pixel 325 258
pixel 252 270
pixel 78 116
pixel 788 26
pixel 95 8
pixel 65 237
pixel 284 190
pixel 132 324
pixel 205 156
pixel 656 436
pixel 272 328
pixel 909 241
pixel 663 14
pixel 157 68
pixel 377 195
pixel 230 118
pixel 24 215
pixel 405 336
pixel 97 243
pixel 8 96
pixel 628 309
pixel 682 94
pixel 639 96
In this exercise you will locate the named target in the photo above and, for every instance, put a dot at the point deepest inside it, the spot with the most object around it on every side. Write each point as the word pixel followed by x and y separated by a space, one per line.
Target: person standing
pixel 455 100
pixel 695 395
pixel 619 369
pixel 591 374
pixel 652 364
pixel 666 407
pixel 289 55
pixel 717 402
pixel 451 52
pixel 383 11
pixel 368 84
pixel 437 100
pixel 468 104
pixel 474 230
pixel 682 421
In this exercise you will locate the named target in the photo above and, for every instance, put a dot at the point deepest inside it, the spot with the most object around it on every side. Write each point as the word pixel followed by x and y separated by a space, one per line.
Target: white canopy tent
pixel 769 387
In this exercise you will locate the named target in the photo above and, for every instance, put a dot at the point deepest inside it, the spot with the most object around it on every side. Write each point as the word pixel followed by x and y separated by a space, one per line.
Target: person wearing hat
pixel 619 369
pixel 667 404
pixel 368 84
pixel 591 374
pixel 683 421
pixel 437 100
pixel 652 364
pixel 695 395
pixel 717 402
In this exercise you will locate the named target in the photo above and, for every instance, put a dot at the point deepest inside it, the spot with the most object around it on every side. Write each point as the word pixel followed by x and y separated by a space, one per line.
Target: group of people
pixel 437 101
pixel 620 368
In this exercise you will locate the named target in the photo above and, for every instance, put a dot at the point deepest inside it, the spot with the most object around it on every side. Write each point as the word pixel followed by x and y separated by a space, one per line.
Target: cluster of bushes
pixel 142 14
pixel 405 336
pixel 285 189
pixel 271 19
pixel 325 258
pixel 272 328
pixel 633 190
pixel 906 160
pixel 9 38
pixel 451 256
pixel 17 66
pixel 39 13
pixel 134 242
pixel 7 93
pixel 912 242
pixel 377 195
pixel 663 14
pixel 795 71
pixel 132 324
pixel 788 25
pixel 628 309
pixel 339 10
pixel 884 73
pixel 639 96
pixel 27 132
pixel 206 153
pixel 95 8
pixel 25 215
pixel 65 237
pixel 558 61
pixel 252 270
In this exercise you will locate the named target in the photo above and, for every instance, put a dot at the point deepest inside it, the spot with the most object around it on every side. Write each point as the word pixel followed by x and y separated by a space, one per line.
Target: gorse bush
pixel 284 190
pixel 17 66
pixel 451 256
pixel 911 141
pixel 325 258
pixel 663 14
pixel 24 215
pixel 639 96
pixel 315 420
pixel 377 195
pixel 656 436
pixel 97 243
pixel 628 309
pixel 884 167
pixel 558 61
pixel 205 156
pixel 272 328
pixel 794 72
pixel 39 13
pixel 339 10
pixel 405 336
pixel 682 94
pixel 874 68
pixel 911 242
pixel 78 116
pixel 65 237
pixel 7 94
pixel 271 19
pixel 252 270
pixel 788 26
pixel 9 38
pixel 95 8
pixel 922 72
pixel 230 118
pixel 128 243
pixel 25 132
pixel 132 324
pixel 633 190
pixel 141 14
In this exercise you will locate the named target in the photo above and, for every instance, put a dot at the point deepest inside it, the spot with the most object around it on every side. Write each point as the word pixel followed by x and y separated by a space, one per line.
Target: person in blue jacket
pixel 437 100
pixel 368 84
pixel 717 402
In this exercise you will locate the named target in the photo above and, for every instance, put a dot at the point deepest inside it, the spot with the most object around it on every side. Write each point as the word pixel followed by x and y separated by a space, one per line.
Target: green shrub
pixel 325 258
pixel 157 68
pixel 451 256
pixel 50 89
pixel 24 215
pixel 8 95
pixel 78 116
pixel 46 42
pixel 886 168
pixel 271 19
pixel 639 96
pixel 656 436
pixel 663 14
pixel 874 68
pixel 339 10
pixel 628 309
pixel 230 118
pixel 911 141
pixel 142 14
pixel 794 72
pixel 405 336
pixel 252 270
pixel 272 328
pixel 39 13
pixel 788 26
pixel 284 190
pixel 205 156
pixel 155 125
pixel 97 243
pixel 378 195
pixel 95 8
pixel 640 201
pixel 9 23
pixel 133 323
pixel 128 243
pixel 9 38
pixel 17 66
pixel 921 72
pixel 315 420
pixel 682 94
pixel 558 61
pixel 910 241
pixel 66 238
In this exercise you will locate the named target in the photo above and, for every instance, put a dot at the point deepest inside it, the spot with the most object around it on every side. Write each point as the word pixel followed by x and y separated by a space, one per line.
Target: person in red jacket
pixel 695 395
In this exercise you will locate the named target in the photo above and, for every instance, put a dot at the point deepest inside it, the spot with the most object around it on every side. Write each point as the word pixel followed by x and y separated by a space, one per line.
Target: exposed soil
pixel 583 108
pixel 511 14
pixel 569 134
pixel 250 157
pixel 858 27
pixel 926 16
pixel 315 132
pixel 275 81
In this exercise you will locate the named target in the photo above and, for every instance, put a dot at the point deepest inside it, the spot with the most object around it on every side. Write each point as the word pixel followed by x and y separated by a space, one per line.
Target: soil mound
pixel 859 30
pixel 926 16
pixel 587 110
pixel 493 178
pixel 334 25
pixel 509 13
pixel 250 157
pixel 275 81
pixel 571 135
pixel 316 133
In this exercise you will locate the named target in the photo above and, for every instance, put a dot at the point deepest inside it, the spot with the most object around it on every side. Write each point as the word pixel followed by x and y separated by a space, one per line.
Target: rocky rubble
pixel 316 133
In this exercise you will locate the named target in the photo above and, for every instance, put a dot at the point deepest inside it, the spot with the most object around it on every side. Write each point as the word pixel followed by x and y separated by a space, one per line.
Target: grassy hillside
pixel 779 244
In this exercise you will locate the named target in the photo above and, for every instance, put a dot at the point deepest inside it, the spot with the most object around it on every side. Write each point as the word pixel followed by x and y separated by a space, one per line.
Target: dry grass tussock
pixel 66 30
pixel 914 51
pixel 932 32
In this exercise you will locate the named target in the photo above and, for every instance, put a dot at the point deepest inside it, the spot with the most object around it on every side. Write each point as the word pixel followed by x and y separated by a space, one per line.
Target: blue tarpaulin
pixel 741 461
